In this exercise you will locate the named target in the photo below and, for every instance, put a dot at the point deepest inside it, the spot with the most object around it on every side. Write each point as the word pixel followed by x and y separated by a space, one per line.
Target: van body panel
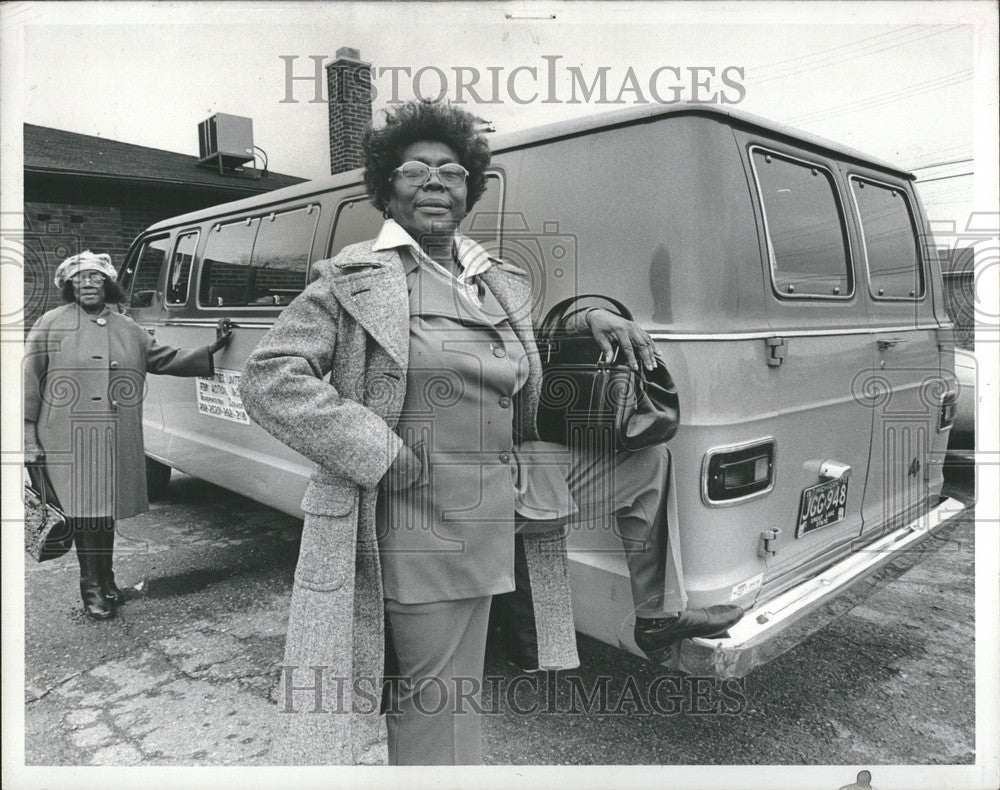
pixel 235 455
pixel 743 248
pixel 671 219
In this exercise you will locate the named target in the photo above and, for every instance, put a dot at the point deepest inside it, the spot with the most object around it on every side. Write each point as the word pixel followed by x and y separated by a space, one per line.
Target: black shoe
pixel 95 605
pixel 656 636
pixel 88 551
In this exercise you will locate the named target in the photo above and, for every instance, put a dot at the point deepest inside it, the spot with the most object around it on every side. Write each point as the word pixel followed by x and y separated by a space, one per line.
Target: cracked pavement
pixel 184 674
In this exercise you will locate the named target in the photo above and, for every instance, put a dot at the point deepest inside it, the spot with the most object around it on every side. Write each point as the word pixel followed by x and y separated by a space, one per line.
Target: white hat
pixel 84 261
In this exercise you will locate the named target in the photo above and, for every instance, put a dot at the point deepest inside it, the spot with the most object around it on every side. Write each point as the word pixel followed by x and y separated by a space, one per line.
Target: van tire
pixel 157 479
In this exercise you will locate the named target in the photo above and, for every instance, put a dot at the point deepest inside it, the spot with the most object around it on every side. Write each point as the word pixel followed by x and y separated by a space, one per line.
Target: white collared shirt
pixel 473 260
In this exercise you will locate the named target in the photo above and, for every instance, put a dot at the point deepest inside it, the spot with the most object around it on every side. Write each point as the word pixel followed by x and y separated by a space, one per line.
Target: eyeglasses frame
pixel 431 171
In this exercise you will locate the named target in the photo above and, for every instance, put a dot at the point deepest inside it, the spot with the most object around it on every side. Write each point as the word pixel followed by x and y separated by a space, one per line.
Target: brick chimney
pixel 349 91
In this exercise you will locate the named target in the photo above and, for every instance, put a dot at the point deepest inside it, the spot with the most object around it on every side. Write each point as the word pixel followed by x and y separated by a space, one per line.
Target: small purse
pixel 633 410
pixel 47 532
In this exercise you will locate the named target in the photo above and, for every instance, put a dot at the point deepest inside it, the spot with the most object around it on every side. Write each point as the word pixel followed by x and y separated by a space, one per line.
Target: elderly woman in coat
pixel 426 447
pixel 84 381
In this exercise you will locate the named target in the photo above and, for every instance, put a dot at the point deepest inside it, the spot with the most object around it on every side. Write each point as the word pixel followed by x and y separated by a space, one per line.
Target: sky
pixel 895 80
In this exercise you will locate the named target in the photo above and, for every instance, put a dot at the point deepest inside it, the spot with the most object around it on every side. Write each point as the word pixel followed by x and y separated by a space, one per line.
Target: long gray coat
pixel 352 323
pixel 84 383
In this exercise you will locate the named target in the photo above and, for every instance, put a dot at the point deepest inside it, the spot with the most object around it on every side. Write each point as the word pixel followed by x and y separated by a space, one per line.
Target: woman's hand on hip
pixel 405 471
pixel 612 330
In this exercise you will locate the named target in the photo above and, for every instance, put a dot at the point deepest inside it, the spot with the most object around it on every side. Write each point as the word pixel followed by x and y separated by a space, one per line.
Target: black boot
pixel 88 551
pixel 107 575
pixel 656 636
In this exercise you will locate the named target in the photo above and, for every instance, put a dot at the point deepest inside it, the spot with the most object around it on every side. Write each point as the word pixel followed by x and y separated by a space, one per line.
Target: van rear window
pixel 259 261
pixel 890 240
pixel 807 238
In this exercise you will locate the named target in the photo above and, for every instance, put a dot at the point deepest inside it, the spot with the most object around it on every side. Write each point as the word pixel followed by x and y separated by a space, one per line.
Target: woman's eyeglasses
pixel 94 278
pixel 416 174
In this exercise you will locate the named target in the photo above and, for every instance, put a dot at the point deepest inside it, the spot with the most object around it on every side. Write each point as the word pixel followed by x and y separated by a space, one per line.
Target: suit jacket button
pixel 114 365
pixel 505 458
pixel 114 404
pixel 101 321
pixel 504 402
pixel 499 351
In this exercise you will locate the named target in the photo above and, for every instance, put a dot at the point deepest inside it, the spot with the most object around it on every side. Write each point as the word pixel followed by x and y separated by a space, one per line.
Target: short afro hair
pixel 113 293
pixel 424 120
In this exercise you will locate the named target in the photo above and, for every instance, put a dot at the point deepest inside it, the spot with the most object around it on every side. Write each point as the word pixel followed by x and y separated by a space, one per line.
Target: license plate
pixel 822 505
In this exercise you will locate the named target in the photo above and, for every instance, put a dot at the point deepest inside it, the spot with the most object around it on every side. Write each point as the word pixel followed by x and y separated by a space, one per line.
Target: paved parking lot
pixel 183 676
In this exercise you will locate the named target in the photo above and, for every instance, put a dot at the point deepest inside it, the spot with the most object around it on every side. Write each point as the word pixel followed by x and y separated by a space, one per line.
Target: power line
pixel 833 49
pixel 943 178
pixel 942 164
pixel 837 59
pixel 884 98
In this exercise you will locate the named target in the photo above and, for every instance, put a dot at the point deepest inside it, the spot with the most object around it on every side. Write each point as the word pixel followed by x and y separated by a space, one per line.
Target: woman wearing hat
pixel 84 381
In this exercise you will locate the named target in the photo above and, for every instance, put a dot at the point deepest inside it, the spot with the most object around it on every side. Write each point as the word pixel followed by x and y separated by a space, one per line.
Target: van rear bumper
pixel 773 627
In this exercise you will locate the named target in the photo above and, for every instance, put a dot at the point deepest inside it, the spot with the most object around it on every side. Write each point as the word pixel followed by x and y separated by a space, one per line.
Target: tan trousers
pixel 626 492
pixel 435 655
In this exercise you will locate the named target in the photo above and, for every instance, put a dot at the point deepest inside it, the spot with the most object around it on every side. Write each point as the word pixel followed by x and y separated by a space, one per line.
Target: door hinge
pixel 776 347
pixel 768 545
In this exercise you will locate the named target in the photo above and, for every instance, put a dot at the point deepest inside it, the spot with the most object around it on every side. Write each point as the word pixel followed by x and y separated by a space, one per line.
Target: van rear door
pixel 820 350
pixel 905 386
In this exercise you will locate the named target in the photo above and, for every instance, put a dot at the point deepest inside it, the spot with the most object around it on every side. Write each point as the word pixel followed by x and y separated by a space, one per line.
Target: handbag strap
pixel 555 319
pixel 40 483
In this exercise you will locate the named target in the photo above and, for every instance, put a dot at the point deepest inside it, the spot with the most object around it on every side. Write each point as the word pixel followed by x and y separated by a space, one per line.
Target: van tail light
pixel 732 474
pixel 947 410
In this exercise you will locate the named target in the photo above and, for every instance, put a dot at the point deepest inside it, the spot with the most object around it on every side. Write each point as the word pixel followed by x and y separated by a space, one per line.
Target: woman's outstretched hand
pixel 612 330
pixel 223 335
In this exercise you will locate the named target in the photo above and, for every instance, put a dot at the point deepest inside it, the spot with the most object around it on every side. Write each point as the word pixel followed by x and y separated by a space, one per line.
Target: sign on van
pixel 219 396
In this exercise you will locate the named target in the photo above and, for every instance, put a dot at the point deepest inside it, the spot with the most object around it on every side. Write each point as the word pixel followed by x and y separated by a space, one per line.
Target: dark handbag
pixel 628 410
pixel 47 532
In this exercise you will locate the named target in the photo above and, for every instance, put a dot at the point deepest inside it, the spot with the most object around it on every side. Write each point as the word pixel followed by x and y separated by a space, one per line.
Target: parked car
pixel 963 431
pixel 782 277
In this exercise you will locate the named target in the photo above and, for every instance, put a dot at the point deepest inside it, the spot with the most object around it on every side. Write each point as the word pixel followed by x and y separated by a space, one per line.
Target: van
pixel 784 278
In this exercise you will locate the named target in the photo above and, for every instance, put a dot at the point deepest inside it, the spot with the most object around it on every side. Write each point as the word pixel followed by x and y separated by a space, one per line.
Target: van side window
pixel 807 238
pixel 281 256
pixel 226 264
pixel 890 240
pixel 356 220
pixel 144 274
pixel 180 268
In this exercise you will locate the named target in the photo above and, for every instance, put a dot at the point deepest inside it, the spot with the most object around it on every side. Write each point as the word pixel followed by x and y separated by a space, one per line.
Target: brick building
pixel 84 192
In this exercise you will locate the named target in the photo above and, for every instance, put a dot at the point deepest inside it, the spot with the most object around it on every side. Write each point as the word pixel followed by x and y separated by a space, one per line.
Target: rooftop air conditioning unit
pixel 225 141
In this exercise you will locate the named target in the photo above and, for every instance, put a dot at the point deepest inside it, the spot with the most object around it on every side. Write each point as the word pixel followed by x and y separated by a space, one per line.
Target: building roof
pixel 57 152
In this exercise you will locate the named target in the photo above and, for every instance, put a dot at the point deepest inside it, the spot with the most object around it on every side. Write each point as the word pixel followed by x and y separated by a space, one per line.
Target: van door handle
pixel 884 344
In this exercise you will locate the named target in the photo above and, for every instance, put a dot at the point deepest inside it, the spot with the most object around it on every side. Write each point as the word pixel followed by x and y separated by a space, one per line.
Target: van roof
pixel 547 133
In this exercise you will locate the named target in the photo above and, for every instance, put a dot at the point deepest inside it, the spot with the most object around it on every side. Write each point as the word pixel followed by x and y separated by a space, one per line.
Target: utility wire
pixel 834 49
pixel 885 98
pixel 942 164
pixel 943 178
pixel 831 61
